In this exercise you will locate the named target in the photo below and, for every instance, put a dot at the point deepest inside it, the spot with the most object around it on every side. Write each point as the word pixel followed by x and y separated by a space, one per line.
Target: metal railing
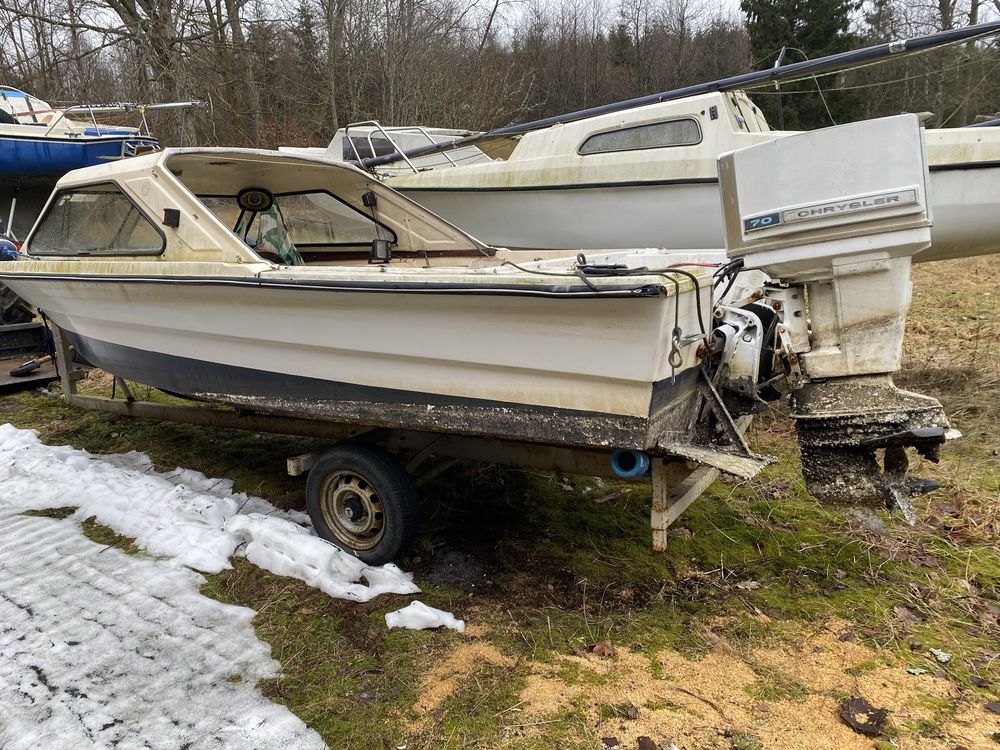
pixel 377 127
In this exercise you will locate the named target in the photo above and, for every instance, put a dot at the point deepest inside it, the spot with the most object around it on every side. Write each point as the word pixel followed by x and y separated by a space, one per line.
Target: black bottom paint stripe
pixel 350 403
pixel 563 291
pixel 964 166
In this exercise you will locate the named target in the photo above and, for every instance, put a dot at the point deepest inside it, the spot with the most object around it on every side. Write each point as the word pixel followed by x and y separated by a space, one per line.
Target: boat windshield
pixel 303 222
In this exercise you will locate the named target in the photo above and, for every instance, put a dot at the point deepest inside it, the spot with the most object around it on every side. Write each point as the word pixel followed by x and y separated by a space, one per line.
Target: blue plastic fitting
pixel 629 464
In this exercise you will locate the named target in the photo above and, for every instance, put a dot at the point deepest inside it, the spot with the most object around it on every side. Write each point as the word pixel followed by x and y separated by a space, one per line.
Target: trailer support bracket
pixel 671 498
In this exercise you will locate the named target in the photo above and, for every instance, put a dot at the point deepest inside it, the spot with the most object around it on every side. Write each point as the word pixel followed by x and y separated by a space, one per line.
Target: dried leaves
pixel 603 649
pixel 908 616
pixel 863 717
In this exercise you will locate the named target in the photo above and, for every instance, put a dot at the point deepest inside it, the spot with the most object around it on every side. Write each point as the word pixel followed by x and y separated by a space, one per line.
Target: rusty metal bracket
pixel 715 403
pixel 69 371
pixel 125 389
pixel 671 499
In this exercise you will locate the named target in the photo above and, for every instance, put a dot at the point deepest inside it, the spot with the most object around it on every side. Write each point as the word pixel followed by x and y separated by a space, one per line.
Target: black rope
pixel 581 272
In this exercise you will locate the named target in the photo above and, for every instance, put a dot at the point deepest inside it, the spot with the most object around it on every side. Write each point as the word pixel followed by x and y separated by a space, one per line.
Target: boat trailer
pixel 22 362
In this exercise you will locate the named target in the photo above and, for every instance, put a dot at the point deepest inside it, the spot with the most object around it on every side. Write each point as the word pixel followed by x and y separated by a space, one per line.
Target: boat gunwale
pixel 557 186
pixel 405 189
pixel 618 291
pixel 78 139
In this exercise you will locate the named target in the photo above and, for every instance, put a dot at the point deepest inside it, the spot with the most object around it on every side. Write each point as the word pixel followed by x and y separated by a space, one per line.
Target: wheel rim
pixel 352 510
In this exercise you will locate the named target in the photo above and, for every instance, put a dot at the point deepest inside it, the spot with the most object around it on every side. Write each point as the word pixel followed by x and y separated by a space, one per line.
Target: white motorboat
pixel 302 288
pixel 368 140
pixel 447 333
pixel 646 177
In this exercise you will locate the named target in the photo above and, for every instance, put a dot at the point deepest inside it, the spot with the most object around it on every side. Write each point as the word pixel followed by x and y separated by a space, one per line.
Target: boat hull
pixel 351 403
pixel 683 214
pixel 583 372
pixel 37 156
pixel 677 214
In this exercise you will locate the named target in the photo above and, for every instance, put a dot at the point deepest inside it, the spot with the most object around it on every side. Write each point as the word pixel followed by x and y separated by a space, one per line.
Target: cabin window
pixel 685 132
pixel 95 220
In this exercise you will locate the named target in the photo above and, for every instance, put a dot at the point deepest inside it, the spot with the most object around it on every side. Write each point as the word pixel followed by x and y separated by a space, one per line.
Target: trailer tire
pixel 363 500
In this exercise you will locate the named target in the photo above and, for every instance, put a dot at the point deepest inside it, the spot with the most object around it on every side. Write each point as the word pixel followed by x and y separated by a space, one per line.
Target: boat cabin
pixel 243 206
pixel 632 144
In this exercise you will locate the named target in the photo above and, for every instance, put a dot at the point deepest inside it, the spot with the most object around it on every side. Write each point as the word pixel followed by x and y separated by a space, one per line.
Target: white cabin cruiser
pixel 296 287
pixel 248 277
pixel 641 173
pixel 368 140
pixel 646 177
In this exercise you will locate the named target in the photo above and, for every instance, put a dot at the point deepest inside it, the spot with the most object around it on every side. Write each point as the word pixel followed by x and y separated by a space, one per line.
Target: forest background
pixel 290 73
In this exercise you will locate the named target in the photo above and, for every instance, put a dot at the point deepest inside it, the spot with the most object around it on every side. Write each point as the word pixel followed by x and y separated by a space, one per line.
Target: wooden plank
pixel 299 465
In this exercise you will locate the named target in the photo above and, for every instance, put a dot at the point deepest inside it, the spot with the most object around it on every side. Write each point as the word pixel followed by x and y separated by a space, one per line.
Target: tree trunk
pixel 334 11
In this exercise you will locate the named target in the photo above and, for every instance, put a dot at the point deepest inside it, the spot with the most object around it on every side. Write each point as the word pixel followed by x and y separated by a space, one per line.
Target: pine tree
pixel 808 29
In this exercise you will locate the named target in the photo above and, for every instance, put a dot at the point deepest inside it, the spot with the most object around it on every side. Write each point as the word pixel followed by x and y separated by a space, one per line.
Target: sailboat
pixel 642 173
pixel 40 143
pixel 38 140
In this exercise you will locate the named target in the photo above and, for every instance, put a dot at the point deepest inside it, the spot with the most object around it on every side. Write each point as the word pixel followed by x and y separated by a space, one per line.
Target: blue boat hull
pixel 25 156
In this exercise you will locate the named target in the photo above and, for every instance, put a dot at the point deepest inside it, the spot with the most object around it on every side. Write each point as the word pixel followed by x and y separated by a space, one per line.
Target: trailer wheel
pixel 362 499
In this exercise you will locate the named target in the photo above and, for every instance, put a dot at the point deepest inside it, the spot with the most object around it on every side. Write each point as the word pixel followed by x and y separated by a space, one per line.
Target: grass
pixel 57 513
pixel 94 531
pixel 108 537
pixel 544 573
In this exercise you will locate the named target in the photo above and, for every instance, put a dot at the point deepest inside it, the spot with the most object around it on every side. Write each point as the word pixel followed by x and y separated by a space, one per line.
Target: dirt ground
pixel 787 692
pixel 787 695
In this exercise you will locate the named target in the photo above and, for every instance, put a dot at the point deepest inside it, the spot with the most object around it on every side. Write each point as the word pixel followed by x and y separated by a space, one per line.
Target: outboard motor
pixel 834 217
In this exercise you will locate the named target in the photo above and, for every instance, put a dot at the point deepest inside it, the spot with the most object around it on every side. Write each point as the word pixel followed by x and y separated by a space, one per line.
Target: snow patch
pixel 192 520
pixel 418 616
pixel 100 649
pixel 289 550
